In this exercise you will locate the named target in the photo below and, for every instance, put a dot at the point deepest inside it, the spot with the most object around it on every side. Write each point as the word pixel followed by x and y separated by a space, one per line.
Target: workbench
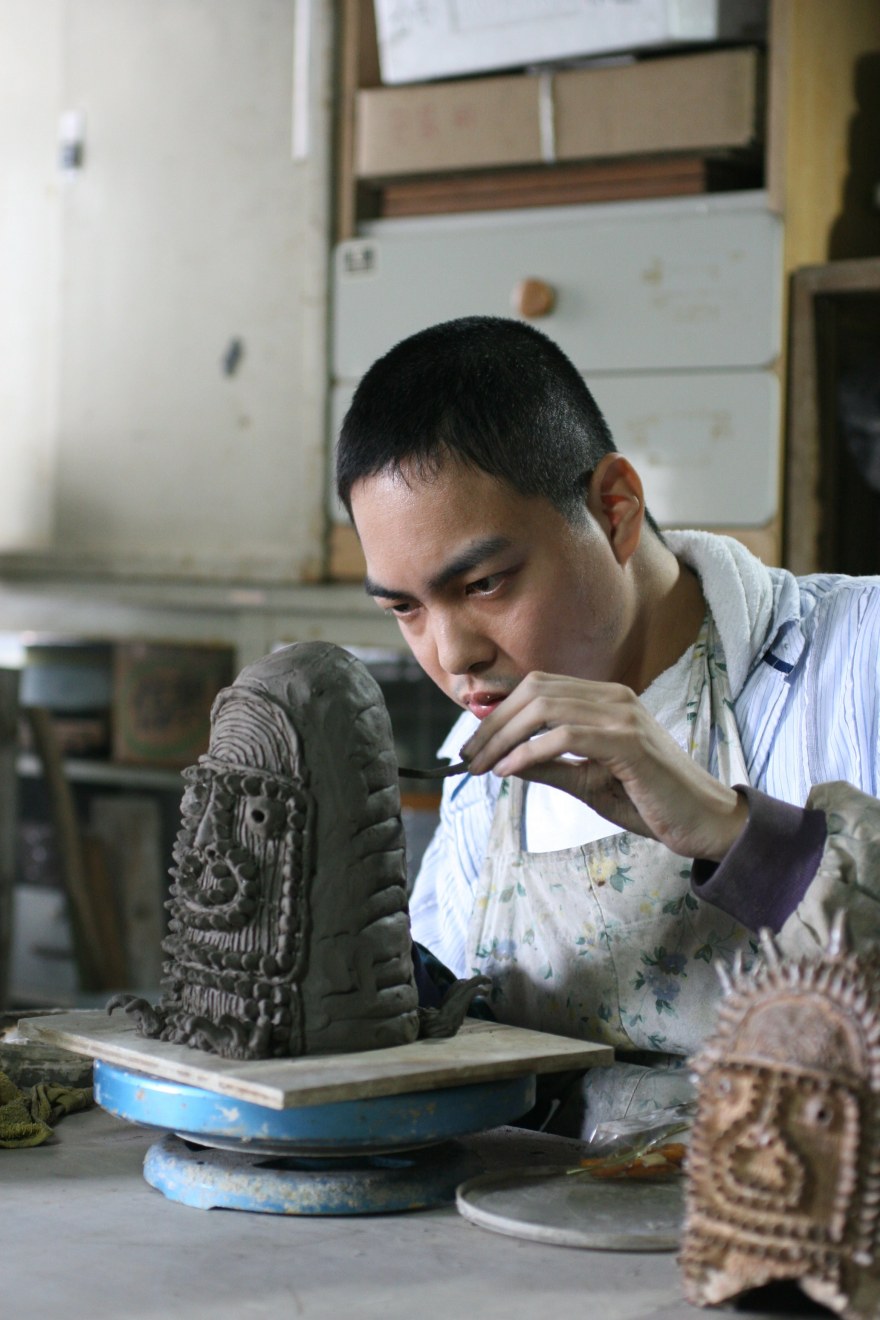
pixel 86 1238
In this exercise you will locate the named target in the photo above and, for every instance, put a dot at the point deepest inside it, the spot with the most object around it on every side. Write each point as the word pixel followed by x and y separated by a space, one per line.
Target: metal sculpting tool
pixel 435 771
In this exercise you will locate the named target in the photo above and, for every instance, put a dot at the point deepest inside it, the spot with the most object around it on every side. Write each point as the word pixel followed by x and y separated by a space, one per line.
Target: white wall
pixel 30 255
pixel 190 224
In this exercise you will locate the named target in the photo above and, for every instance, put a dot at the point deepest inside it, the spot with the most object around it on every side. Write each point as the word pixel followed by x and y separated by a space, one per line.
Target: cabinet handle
pixel 532 297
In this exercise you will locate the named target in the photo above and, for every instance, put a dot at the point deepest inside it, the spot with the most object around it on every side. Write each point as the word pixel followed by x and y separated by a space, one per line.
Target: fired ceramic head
pixel 784 1165
pixel 289 931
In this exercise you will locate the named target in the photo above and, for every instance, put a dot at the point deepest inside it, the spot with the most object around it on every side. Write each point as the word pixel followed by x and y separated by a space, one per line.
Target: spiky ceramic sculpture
pixel 289 930
pixel 783 1179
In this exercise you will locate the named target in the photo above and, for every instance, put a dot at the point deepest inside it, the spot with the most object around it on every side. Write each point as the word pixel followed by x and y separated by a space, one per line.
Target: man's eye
pixel 485 586
pixel 401 608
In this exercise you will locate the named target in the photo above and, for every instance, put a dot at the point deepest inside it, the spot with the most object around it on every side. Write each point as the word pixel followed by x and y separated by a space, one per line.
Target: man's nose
pixel 461 649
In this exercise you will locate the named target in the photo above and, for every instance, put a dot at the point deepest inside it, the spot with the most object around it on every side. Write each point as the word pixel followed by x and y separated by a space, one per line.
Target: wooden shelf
pixel 81 770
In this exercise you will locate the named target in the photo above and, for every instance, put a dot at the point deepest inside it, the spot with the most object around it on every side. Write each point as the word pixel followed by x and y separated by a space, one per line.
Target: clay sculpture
pixel 783 1177
pixel 289 932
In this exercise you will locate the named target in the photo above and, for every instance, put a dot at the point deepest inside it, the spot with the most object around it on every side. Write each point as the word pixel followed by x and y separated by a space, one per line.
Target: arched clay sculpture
pixel 289 931
pixel 784 1164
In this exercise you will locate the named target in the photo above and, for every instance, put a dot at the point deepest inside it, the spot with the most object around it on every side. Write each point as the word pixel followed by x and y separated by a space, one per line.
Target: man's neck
pixel 674 613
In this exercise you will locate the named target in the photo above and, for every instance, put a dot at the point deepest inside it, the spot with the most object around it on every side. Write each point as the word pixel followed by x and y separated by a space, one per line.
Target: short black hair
pixel 488 391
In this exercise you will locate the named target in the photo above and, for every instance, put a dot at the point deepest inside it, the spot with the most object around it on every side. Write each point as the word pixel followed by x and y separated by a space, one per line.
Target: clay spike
pixel 724 977
pixel 838 940
pixel 769 948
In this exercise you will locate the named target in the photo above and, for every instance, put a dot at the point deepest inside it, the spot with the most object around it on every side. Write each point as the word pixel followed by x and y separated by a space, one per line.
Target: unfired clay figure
pixel 289 931
pixel 784 1164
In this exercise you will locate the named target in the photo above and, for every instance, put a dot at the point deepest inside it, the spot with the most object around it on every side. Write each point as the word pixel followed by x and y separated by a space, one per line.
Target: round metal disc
pixel 284 1148
pixel 348 1127
pixel 243 1180
pixel 575 1210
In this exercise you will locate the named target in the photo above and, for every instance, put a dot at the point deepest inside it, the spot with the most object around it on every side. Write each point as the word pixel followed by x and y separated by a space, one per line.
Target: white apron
pixel 606 941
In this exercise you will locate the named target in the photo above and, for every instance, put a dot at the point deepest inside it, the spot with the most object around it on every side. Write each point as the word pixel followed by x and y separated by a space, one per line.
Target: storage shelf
pixel 84 771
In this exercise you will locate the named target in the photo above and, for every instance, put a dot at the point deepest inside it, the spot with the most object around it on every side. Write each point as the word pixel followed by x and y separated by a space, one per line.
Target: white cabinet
pixel 639 286
pixel 670 309
pixel 700 440
pixel 704 443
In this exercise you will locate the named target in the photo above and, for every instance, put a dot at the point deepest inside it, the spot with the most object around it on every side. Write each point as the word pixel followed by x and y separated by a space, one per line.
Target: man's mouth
pixel 482 704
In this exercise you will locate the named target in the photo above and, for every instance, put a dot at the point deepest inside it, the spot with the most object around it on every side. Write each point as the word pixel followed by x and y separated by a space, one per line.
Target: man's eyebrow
pixel 373 589
pixel 465 562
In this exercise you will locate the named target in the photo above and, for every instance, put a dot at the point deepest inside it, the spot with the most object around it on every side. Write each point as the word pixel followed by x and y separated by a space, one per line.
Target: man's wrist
pixel 766 872
pixel 733 825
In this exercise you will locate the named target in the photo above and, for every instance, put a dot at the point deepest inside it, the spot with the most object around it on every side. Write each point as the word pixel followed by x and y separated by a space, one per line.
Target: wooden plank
pixel 765 542
pixel 81 900
pixel 813 169
pixel 806 491
pixel 562 186
pixel 481 1052
pixel 129 828
pixel 106 909
pixel 817 180
pixel 358 66
pixel 346 557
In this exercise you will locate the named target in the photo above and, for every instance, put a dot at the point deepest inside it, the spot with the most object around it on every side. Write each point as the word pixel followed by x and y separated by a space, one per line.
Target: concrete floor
pixel 85 1238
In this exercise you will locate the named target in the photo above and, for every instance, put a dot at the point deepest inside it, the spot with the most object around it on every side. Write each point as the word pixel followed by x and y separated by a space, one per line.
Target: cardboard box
pixel 455 125
pixel 703 102
pixel 162 697
pixel 447 38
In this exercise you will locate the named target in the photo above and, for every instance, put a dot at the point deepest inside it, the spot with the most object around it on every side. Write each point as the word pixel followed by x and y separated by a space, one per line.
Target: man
pixel 714 725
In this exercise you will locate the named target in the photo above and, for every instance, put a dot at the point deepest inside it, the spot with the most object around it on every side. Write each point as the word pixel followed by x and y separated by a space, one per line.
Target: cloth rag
pixel 27 1117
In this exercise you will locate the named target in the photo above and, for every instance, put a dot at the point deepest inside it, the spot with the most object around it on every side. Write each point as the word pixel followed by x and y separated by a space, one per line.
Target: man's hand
pixel 629 768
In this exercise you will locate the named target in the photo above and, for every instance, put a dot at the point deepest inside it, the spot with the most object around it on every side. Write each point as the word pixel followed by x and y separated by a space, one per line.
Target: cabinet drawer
pixel 642 286
pixel 706 444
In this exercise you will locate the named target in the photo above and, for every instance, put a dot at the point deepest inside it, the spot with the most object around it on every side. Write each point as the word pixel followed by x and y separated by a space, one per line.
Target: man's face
pixel 488 585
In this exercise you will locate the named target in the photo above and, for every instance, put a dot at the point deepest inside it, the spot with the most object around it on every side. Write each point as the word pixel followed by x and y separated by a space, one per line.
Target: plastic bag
pixel 650 1147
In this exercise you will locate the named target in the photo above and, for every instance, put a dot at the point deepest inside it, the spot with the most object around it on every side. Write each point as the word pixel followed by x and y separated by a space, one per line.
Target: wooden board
pixel 481 1052
pixel 129 828
pixel 811 489
pixel 563 185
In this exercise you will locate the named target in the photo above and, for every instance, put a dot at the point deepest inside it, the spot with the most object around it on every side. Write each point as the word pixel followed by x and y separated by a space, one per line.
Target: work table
pixel 86 1238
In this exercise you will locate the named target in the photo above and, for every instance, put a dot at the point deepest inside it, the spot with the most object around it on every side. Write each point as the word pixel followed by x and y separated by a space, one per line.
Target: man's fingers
pixel 593 785
pixel 540 701
pixel 551 727
pixel 547 745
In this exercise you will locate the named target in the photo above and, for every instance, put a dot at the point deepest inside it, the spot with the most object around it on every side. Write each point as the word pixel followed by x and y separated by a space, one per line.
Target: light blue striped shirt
pixel 806 691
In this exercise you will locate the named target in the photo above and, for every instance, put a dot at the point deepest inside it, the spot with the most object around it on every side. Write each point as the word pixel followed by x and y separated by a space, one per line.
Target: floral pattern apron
pixel 606 941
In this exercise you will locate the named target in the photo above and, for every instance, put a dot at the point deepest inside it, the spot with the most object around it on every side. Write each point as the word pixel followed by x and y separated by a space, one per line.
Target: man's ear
pixel 616 500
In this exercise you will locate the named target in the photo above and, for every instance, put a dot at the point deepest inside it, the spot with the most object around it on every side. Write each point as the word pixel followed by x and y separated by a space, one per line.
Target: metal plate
pixel 381 1123
pixel 216 1179
pixel 575 1210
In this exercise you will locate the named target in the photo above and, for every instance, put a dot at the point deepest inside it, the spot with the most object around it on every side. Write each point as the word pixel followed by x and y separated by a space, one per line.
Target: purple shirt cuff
pixel 768 870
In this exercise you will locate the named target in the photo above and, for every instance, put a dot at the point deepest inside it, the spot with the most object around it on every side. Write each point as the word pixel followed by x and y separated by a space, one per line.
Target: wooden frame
pixel 811 474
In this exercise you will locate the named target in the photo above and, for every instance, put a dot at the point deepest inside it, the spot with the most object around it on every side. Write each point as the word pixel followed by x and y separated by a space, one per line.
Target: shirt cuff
pixel 768 870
